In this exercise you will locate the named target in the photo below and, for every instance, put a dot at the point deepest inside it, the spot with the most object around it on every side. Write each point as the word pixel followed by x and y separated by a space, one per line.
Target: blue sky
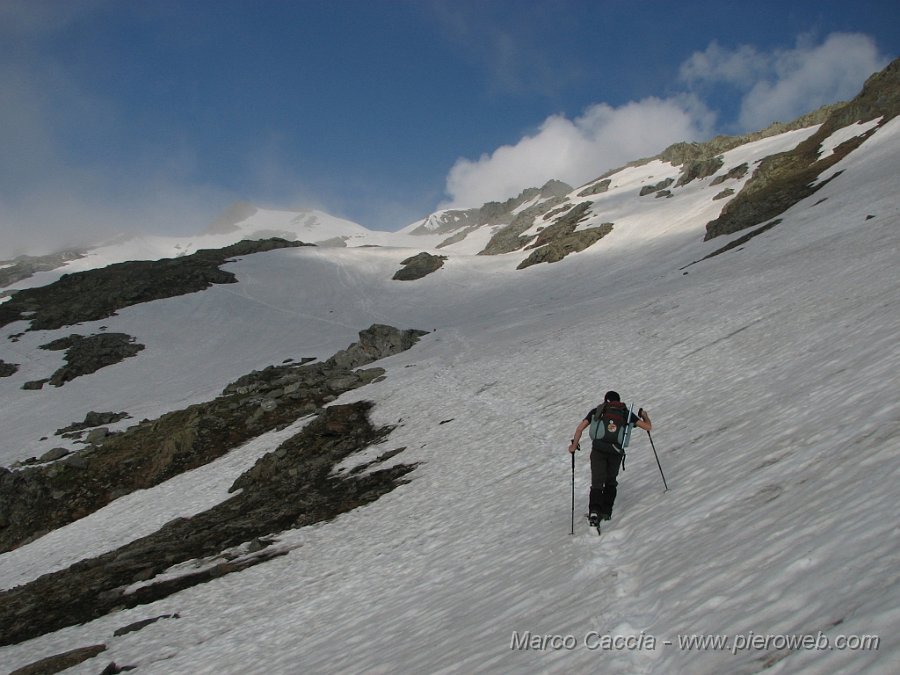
pixel 155 116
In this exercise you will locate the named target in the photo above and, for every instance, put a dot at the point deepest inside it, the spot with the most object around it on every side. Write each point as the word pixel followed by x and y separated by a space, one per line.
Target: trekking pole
pixel 657 462
pixel 577 447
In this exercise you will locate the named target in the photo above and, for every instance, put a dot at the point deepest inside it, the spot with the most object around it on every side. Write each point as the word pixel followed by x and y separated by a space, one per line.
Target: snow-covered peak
pixel 308 225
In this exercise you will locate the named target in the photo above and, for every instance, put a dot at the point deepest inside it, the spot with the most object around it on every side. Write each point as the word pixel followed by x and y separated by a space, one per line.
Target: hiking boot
pixel 594 519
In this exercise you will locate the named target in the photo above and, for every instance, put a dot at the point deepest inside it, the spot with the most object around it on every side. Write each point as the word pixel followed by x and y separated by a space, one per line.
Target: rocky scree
pixel 784 179
pixel 293 486
pixel 96 294
pixel 38 499
pixel 560 239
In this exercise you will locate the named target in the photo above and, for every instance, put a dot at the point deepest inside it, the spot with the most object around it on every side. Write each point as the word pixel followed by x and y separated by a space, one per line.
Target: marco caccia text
pixel 593 640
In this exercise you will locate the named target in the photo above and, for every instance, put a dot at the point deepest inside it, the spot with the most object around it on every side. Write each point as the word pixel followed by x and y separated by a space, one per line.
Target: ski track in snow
pixel 770 373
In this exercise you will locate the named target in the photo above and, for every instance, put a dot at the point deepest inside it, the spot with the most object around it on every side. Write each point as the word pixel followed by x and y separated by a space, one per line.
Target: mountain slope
pixel 769 370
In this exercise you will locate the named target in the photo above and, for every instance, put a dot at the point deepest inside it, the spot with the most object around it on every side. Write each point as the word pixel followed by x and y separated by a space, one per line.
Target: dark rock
pixel 86 355
pixel 96 294
pixel 699 168
pixel 596 188
pixel 510 237
pixel 381 459
pixel 560 239
pixel 93 419
pixel 733 174
pixel 376 342
pixel 113 669
pixel 457 237
pixel 97 436
pixel 60 662
pixel 25 462
pixel 96 419
pixel 76 462
pixel 419 266
pixel 34 384
pixel 491 213
pixel 650 189
pixel 727 192
pixel 7 369
pixel 138 625
pixel 556 213
pixel 54 454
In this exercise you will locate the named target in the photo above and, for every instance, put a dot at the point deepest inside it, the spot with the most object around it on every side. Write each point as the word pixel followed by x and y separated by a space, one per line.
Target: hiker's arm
pixel 577 436
pixel 644 420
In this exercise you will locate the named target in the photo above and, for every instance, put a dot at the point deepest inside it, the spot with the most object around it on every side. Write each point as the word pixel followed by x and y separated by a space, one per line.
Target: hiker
pixel 606 450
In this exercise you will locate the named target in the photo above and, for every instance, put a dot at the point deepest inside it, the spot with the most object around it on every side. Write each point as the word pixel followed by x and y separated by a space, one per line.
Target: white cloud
pixel 811 76
pixel 742 66
pixel 575 151
pixel 771 86
pixel 786 83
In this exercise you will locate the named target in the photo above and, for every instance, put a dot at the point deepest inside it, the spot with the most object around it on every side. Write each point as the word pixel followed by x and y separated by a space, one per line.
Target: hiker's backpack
pixel 611 424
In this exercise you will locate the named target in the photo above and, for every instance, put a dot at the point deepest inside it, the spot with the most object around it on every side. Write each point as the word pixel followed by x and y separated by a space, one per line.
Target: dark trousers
pixel 605 462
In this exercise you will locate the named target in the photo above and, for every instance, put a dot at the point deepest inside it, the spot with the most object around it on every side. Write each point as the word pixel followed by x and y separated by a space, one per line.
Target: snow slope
pixel 770 372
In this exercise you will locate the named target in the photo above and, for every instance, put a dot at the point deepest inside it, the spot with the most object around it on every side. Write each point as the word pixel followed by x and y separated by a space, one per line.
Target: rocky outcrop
pixel 25 266
pixel 419 266
pixel 376 342
pixel 96 294
pixel 510 237
pixel 699 168
pixel 293 486
pixel 784 179
pixel 143 623
pixel 86 355
pixel 572 243
pixel 491 213
pixel 678 154
pixel 60 662
pixel 736 173
pixel 38 499
pixel 91 420
pixel 560 239
pixel 650 189
pixel 7 369
pixel 727 192
pixel 596 188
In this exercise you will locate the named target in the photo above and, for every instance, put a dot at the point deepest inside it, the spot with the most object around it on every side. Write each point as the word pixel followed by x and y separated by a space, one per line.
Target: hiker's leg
pixel 598 478
pixel 610 484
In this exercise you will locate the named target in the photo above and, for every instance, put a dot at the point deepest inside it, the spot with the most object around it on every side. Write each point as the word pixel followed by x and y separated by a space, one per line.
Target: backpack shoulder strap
pixel 595 421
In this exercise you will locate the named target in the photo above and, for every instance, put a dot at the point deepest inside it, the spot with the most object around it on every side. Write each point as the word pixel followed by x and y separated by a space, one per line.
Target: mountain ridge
pixel 513 224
